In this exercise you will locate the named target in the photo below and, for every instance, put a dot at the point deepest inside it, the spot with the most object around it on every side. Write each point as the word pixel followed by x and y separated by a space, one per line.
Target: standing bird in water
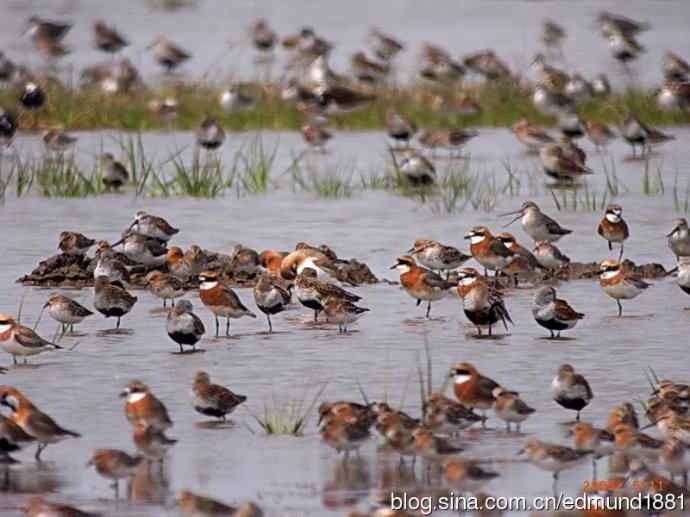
pixel 270 297
pixel 613 228
pixel 167 54
pixel 483 307
pixel 553 314
pixel 184 327
pixel 571 390
pixel 210 134
pixel 108 39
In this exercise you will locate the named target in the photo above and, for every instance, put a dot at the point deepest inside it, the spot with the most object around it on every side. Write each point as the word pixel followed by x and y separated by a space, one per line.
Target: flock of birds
pixel 318 92
pixel 307 272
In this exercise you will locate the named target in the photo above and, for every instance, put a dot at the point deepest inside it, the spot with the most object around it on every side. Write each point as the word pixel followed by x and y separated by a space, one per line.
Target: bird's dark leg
pixel 620 308
pixel 227 327
pixel 181 349
pixel 551 333
pixel 490 329
pixel 164 306
pixel 428 309
pixel 118 323
pixel 14 359
pixel 577 417
pixel 610 245
pixel 39 450
pixel 620 256
pixel 419 302
pixel 217 327
pixel 270 327
pixel 316 316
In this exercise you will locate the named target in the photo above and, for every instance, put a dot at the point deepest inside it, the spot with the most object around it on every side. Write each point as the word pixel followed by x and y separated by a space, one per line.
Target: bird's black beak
pixel 672 232
pixel 519 215
pixel 395 265
pixel 124 393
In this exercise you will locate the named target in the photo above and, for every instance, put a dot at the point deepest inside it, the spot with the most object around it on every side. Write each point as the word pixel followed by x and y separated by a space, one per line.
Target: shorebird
pixel 536 224
pixel 153 226
pixel 674 458
pixel 270 297
pixel 416 168
pixel 37 506
pixel 552 313
pixel 399 128
pixel 601 85
pixel 673 97
pixel 384 46
pixel 114 465
pixel 164 286
pixel 463 105
pixel 679 238
pixel 232 100
pixel 8 127
pixel 143 408
pixel 167 54
pixel 510 408
pixel 636 133
pixel 143 250
pixel 152 443
pixel 39 28
pixel 524 262
pixel 552 35
pixel 66 311
pixel 338 100
pixel 675 68
pixel 487 64
pixel 12 439
pixel 451 139
pixel 446 416
pixel 613 228
pixel 32 421
pixel 210 134
pixel 112 300
pixel 420 283
pixel 624 48
pixel 571 390
pixel 551 457
pixel 198 506
pixel 438 66
pixel 312 292
pixel 578 89
pixel 221 300
pixel 622 414
pixel 619 283
pixel 344 434
pixel 473 389
pixel 263 37
pixel 532 137
pixel 599 134
pixel 74 243
pixel 183 326
pixel 342 312
pixel 430 447
pixel 482 306
pixel 636 444
pixel 558 165
pixel 108 39
pixel 488 250
pixel 551 103
pixel 589 438
pixel 316 136
pixel 436 256
pixel 115 175
pixel 684 274
pixel 550 256
pixel 368 71
pixel 467 476
pixel 32 96
pixel 109 265
pixel 549 75
pixel 212 399
pixel 610 23
pixel 57 141
pixel 18 340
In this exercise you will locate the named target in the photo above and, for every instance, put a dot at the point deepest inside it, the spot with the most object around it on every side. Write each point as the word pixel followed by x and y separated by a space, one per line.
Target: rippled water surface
pixel 301 476
pixel 215 30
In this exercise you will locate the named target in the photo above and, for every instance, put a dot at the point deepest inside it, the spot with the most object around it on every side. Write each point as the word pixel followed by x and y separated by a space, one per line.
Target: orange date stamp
pixel 611 485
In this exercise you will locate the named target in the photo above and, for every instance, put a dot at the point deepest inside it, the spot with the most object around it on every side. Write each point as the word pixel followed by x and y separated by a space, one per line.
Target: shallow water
pixel 215 31
pixel 301 476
